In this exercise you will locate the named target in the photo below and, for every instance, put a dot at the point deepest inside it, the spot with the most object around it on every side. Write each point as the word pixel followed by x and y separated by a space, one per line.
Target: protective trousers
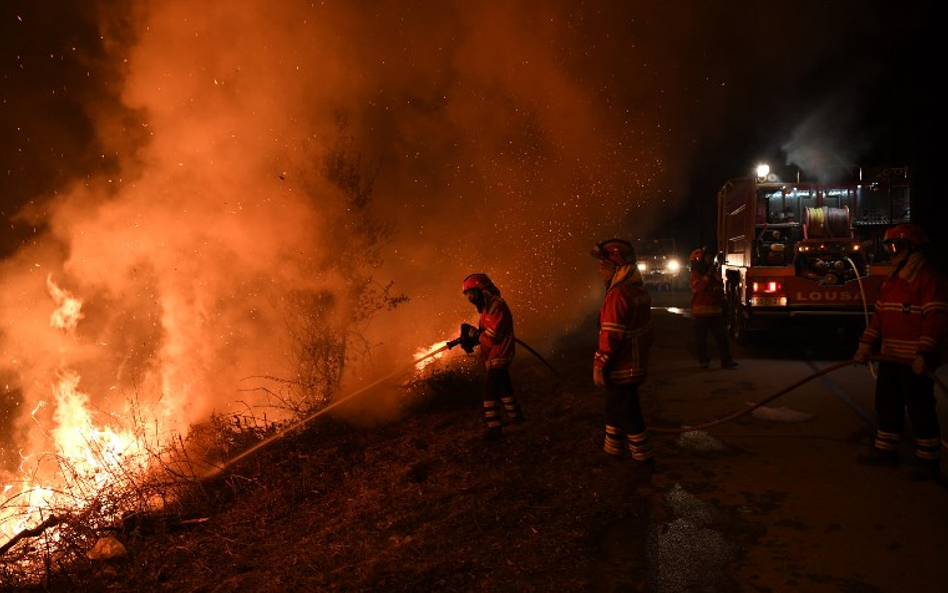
pixel 625 424
pixel 899 390
pixel 715 325
pixel 499 399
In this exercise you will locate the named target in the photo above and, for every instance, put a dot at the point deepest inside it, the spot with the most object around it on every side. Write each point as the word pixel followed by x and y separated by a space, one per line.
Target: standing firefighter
pixel 707 308
pixel 495 336
pixel 621 360
pixel 910 322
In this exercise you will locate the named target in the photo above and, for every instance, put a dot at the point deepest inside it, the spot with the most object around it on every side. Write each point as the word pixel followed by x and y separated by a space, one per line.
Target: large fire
pixel 86 453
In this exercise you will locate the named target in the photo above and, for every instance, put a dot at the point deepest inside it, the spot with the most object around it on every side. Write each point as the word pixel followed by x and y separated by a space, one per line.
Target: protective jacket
pixel 496 337
pixel 911 314
pixel 625 330
pixel 706 292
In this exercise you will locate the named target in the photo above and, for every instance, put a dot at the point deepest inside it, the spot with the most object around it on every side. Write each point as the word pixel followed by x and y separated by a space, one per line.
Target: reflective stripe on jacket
pixel 497 339
pixel 706 294
pixel 911 314
pixel 625 332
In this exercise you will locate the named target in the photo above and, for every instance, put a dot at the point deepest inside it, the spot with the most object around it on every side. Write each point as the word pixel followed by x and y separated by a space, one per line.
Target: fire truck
pixel 659 262
pixel 791 250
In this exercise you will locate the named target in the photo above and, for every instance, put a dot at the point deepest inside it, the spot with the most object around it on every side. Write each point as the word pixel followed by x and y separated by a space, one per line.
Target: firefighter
pixel 620 363
pixel 707 291
pixel 495 336
pixel 909 324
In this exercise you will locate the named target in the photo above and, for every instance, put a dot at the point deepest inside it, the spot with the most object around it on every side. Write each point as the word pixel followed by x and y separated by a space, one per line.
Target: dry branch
pixel 50 521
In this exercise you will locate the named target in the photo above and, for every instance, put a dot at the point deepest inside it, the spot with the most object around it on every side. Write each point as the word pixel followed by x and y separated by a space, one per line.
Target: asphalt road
pixel 773 500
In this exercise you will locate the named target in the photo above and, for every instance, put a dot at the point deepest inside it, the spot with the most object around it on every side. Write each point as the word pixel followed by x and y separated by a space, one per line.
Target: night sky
pixel 163 162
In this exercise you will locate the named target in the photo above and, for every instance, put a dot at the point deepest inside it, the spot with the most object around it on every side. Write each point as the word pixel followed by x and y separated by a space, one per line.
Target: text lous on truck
pixel 798 248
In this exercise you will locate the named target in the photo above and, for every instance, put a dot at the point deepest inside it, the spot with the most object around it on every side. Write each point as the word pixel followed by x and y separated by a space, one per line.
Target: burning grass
pixel 57 527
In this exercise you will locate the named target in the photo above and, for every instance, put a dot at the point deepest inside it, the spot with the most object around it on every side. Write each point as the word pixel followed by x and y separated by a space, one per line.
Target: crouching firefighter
pixel 621 360
pixel 495 336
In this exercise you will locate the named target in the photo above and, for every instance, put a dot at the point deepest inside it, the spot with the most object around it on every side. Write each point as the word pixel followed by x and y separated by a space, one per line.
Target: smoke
pixel 186 196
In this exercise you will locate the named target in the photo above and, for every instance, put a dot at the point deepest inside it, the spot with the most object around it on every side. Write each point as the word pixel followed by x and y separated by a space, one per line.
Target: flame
pixel 426 356
pixel 68 311
pixel 84 454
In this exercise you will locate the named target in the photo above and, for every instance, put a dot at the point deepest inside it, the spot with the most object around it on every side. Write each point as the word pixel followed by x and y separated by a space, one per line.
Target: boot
pixel 614 443
pixel 879 458
pixel 640 449
pixel 512 410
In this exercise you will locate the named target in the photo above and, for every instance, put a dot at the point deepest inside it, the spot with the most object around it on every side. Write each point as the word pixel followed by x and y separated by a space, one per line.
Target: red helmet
pixel 480 281
pixel 617 251
pixel 912 233
pixel 698 254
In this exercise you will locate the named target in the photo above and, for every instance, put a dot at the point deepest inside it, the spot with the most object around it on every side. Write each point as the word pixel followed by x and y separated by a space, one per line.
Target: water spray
pixel 217 470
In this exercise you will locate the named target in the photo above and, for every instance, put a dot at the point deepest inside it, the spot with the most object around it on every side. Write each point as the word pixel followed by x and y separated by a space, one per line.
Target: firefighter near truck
pixel 792 251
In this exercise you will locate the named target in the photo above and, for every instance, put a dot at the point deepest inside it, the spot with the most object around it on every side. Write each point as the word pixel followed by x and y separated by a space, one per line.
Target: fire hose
pixel 784 391
pixel 739 413
pixel 217 469
pixel 549 366
pixel 448 345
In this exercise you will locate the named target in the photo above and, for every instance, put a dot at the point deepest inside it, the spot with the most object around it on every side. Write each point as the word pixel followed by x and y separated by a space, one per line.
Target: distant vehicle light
pixel 673 266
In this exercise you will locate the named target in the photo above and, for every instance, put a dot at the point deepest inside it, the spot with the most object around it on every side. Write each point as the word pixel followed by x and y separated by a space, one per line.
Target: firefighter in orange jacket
pixel 706 307
pixel 621 360
pixel 495 336
pixel 910 322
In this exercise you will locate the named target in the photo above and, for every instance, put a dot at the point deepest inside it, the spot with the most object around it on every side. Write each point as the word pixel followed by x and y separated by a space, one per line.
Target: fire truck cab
pixel 660 264
pixel 794 249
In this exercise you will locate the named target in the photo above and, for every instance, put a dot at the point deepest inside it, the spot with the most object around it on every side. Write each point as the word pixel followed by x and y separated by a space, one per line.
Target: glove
pixel 469 332
pixel 468 339
pixel 924 363
pixel 862 353
pixel 599 376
